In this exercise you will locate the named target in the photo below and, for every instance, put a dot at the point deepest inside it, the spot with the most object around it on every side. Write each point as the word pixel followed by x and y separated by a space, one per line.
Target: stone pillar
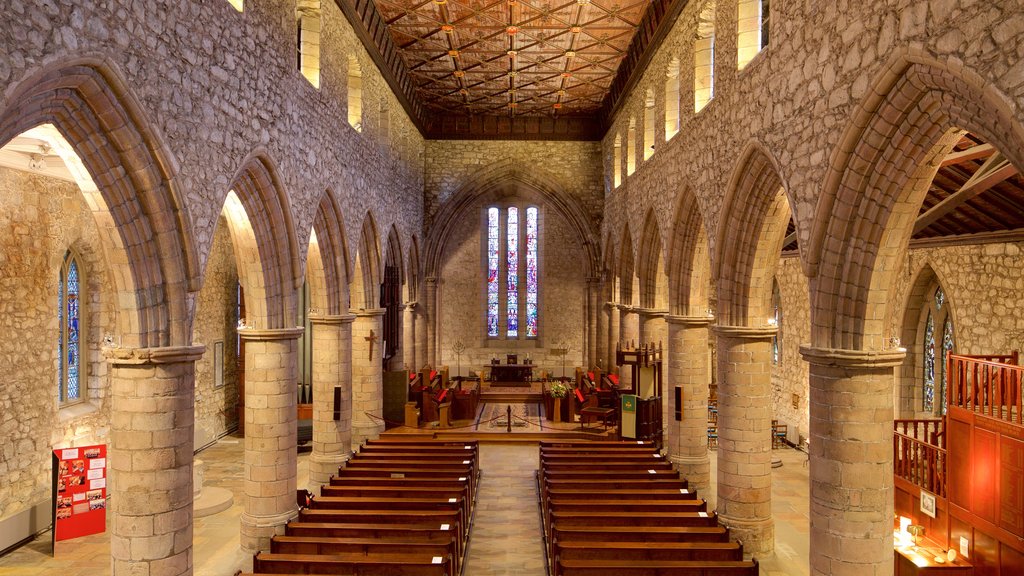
pixel 409 336
pixel 367 376
pixel 850 452
pixel 603 316
pixel 614 334
pixel 270 433
pixel 687 440
pixel 152 394
pixel 431 321
pixel 332 368
pixel 630 324
pixel 590 354
pixel 421 338
pixel 744 435
pixel 653 328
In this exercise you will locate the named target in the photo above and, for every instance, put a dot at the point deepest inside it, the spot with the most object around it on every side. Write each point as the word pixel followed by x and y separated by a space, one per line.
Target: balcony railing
pixel 919 454
pixel 987 385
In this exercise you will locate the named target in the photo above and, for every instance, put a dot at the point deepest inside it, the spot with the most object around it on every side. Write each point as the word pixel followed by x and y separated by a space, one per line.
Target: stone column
pixel 603 316
pixel 653 328
pixel 152 394
pixel 744 435
pixel 421 337
pixel 332 368
pixel 270 433
pixel 593 290
pixel 409 336
pixel 614 334
pixel 687 440
pixel 431 320
pixel 367 376
pixel 850 452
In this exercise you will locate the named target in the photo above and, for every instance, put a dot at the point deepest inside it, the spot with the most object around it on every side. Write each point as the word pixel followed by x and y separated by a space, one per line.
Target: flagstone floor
pixel 506 537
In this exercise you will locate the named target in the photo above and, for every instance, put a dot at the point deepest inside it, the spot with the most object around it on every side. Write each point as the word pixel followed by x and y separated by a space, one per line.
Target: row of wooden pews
pixel 620 509
pixel 399 507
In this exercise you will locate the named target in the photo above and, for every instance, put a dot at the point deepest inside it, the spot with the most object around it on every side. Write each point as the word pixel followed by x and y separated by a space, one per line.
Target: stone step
pixel 510 398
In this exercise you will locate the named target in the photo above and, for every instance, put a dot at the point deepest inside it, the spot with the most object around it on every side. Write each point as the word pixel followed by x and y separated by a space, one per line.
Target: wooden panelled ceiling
pixel 975 196
pixel 549 69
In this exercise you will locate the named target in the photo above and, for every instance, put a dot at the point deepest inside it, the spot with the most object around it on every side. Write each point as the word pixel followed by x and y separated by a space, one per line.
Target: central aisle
pixel 506 538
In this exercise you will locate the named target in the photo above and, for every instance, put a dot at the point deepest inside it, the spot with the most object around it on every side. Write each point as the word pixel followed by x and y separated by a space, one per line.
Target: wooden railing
pixel 919 454
pixel 987 385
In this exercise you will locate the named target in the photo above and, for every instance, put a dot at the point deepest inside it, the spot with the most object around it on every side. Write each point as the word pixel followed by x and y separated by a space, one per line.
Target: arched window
pixel 70 339
pixel 355 94
pixel 752 30
pixel 307 20
pixel 631 147
pixel 649 124
pixel 704 58
pixel 776 320
pixel 519 268
pixel 672 100
pixel 938 336
pixel 617 161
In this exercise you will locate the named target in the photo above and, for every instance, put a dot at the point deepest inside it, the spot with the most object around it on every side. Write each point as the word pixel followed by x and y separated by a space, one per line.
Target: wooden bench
pixel 414 460
pixel 353 564
pixel 634 551
pixel 657 568
pixel 602 414
pixel 439 518
pixel 433 533
pixel 600 533
pixel 456 503
pixel 589 444
pixel 366 546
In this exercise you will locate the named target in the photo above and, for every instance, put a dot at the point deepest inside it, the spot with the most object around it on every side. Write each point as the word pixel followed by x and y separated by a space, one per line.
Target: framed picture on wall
pixel 218 364
pixel 928 503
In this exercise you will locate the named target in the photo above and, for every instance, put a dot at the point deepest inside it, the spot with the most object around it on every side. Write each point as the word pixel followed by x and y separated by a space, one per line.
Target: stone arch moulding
pixel 88 101
pixel 915 100
pixel 687 267
pixel 394 253
pixel 330 233
pixel 368 264
pixel 750 202
pixel 499 174
pixel 265 201
pixel 649 254
pixel 412 271
pixel 609 268
pixel 627 268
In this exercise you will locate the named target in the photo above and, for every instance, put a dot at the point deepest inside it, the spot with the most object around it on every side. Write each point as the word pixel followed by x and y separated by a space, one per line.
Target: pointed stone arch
pixel 501 175
pixel 267 250
pixel 653 281
pixel 140 211
pixel 627 269
pixel 911 331
pixel 412 270
pixel 755 213
pixel 336 268
pixel 367 271
pixel 689 259
pixel 866 211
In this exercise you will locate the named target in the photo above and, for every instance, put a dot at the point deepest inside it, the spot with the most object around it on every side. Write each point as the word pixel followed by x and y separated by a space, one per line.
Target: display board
pixel 628 411
pixel 79 491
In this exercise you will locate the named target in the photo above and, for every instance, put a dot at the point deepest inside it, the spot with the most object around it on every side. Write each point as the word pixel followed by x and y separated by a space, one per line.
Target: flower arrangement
pixel 559 390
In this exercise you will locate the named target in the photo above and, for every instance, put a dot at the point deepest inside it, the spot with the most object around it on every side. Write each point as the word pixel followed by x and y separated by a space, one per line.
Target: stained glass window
pixel 947 348
pixel 940 298
pixel 492 272
pixel 531 272
pixel 69 340
pixel 929 364
pixel 513 272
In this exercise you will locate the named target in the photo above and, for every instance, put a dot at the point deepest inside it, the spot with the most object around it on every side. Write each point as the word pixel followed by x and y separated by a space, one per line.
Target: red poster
pixel 79 491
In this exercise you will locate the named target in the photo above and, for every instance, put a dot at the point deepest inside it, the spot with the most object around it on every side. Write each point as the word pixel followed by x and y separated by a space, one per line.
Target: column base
pixel 695 469
pixel 322 467
pixel 258 530
pixel 758 536
pixel 363 431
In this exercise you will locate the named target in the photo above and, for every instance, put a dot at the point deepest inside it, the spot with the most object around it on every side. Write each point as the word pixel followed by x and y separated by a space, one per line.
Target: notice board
pixel 79 491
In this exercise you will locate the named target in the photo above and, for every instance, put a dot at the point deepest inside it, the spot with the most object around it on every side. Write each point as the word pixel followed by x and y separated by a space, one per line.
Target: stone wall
pixel 561 296
pixel 216 321
pixel 40 219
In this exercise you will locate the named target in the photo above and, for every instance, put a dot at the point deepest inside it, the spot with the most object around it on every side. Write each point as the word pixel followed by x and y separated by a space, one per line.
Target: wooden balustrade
pixel 986 385
pixel 919 454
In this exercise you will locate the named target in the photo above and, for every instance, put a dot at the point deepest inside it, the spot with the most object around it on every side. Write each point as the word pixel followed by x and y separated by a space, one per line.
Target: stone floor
pixel 506 536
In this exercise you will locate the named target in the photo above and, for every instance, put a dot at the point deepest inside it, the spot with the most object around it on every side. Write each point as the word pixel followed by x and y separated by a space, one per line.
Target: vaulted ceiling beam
pixel 972 153
pixel 995 170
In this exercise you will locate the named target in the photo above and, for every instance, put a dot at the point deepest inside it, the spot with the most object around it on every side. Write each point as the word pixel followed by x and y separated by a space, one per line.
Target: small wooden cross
pixel 371 339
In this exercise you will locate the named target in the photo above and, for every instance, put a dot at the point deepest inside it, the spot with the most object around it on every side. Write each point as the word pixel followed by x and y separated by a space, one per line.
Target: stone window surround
pixel 502 340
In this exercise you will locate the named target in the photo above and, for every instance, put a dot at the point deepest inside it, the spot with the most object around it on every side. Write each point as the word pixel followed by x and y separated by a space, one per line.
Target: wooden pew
pixel 416 517
pixel 366 546
pixel 604 466
pixel 410 469
pixel 432 532
pixel 591 444
pixel 353 564
pixel 374 460
pixel 600 533
pixel 393 503
pixel 657 568
pixel 634 551
pixel 629 519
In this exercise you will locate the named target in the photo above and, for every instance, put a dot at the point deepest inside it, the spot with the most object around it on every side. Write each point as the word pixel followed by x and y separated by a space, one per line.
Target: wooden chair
pixel 779 433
